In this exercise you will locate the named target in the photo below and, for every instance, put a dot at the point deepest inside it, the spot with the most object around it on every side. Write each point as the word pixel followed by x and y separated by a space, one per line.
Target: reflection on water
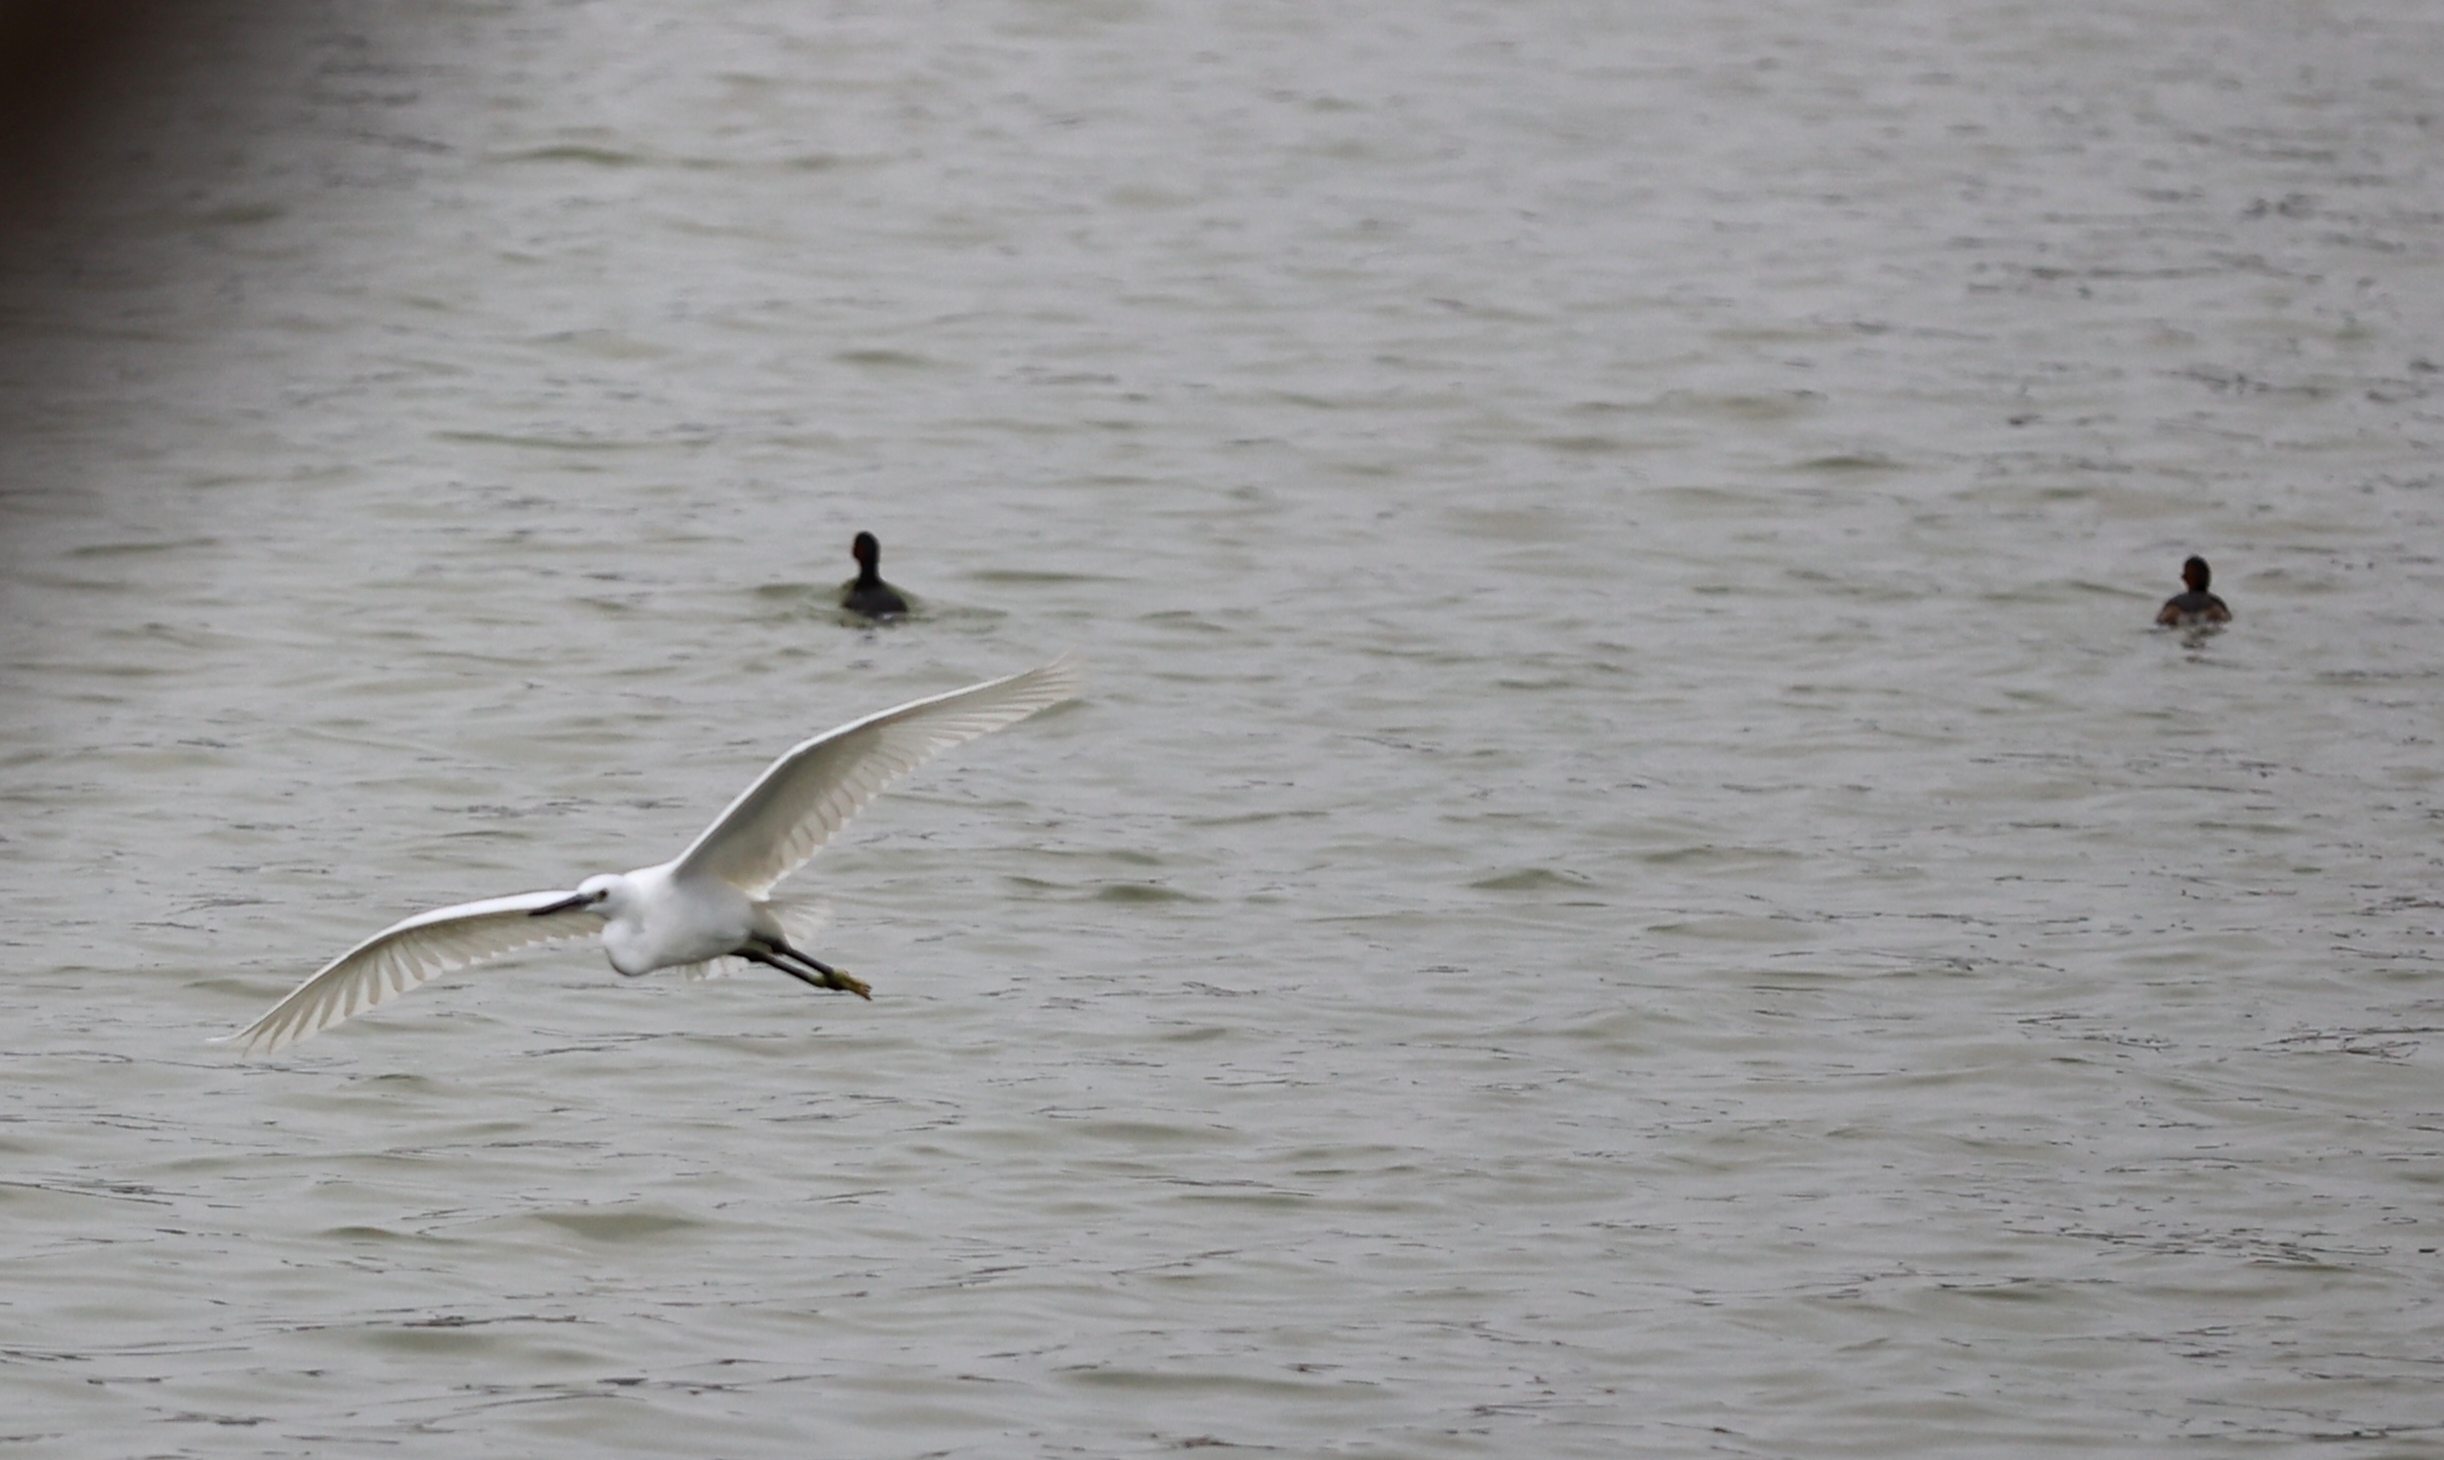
pixel 1634 874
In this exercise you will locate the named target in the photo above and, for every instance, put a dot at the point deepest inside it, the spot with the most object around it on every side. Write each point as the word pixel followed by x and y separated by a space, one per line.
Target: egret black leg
pixel 772 953
pixel 758 955
pixel 810 960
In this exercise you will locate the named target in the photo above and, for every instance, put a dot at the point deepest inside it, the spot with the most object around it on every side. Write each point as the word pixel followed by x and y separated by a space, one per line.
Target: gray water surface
pixel 1632 879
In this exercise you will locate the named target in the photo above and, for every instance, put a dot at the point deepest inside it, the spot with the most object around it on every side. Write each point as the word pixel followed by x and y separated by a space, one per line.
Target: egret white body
pixel 709 902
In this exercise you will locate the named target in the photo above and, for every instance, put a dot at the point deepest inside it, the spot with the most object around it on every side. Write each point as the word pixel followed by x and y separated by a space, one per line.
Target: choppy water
pixel 1633 878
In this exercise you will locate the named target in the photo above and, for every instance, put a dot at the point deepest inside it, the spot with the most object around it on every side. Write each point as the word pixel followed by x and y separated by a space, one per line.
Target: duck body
pixel 867 593
pixel 2197 606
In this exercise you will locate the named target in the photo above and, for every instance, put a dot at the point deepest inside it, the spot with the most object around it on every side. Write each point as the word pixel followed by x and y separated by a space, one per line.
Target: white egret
pixel 710 901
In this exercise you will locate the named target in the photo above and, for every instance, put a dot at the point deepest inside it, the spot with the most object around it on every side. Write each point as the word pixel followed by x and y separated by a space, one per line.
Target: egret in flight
pixel 707 903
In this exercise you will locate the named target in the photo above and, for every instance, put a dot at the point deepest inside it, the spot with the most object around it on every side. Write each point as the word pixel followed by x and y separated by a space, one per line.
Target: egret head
pixel 603 893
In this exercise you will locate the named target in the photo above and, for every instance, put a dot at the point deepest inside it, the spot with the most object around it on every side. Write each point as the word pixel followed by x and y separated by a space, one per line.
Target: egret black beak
pixel 574 899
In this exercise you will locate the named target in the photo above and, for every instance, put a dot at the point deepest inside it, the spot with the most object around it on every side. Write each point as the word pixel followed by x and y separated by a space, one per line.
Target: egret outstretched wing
pixel 810 793
pixel 407 953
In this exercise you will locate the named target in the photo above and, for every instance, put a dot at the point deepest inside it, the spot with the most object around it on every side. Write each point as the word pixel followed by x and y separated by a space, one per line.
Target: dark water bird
pixel 709 903
pixel 2197 606
pixel 867 593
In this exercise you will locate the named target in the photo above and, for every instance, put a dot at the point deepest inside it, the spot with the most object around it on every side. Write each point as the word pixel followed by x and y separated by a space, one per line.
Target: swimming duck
pixel 867 593
pixel 2197 606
